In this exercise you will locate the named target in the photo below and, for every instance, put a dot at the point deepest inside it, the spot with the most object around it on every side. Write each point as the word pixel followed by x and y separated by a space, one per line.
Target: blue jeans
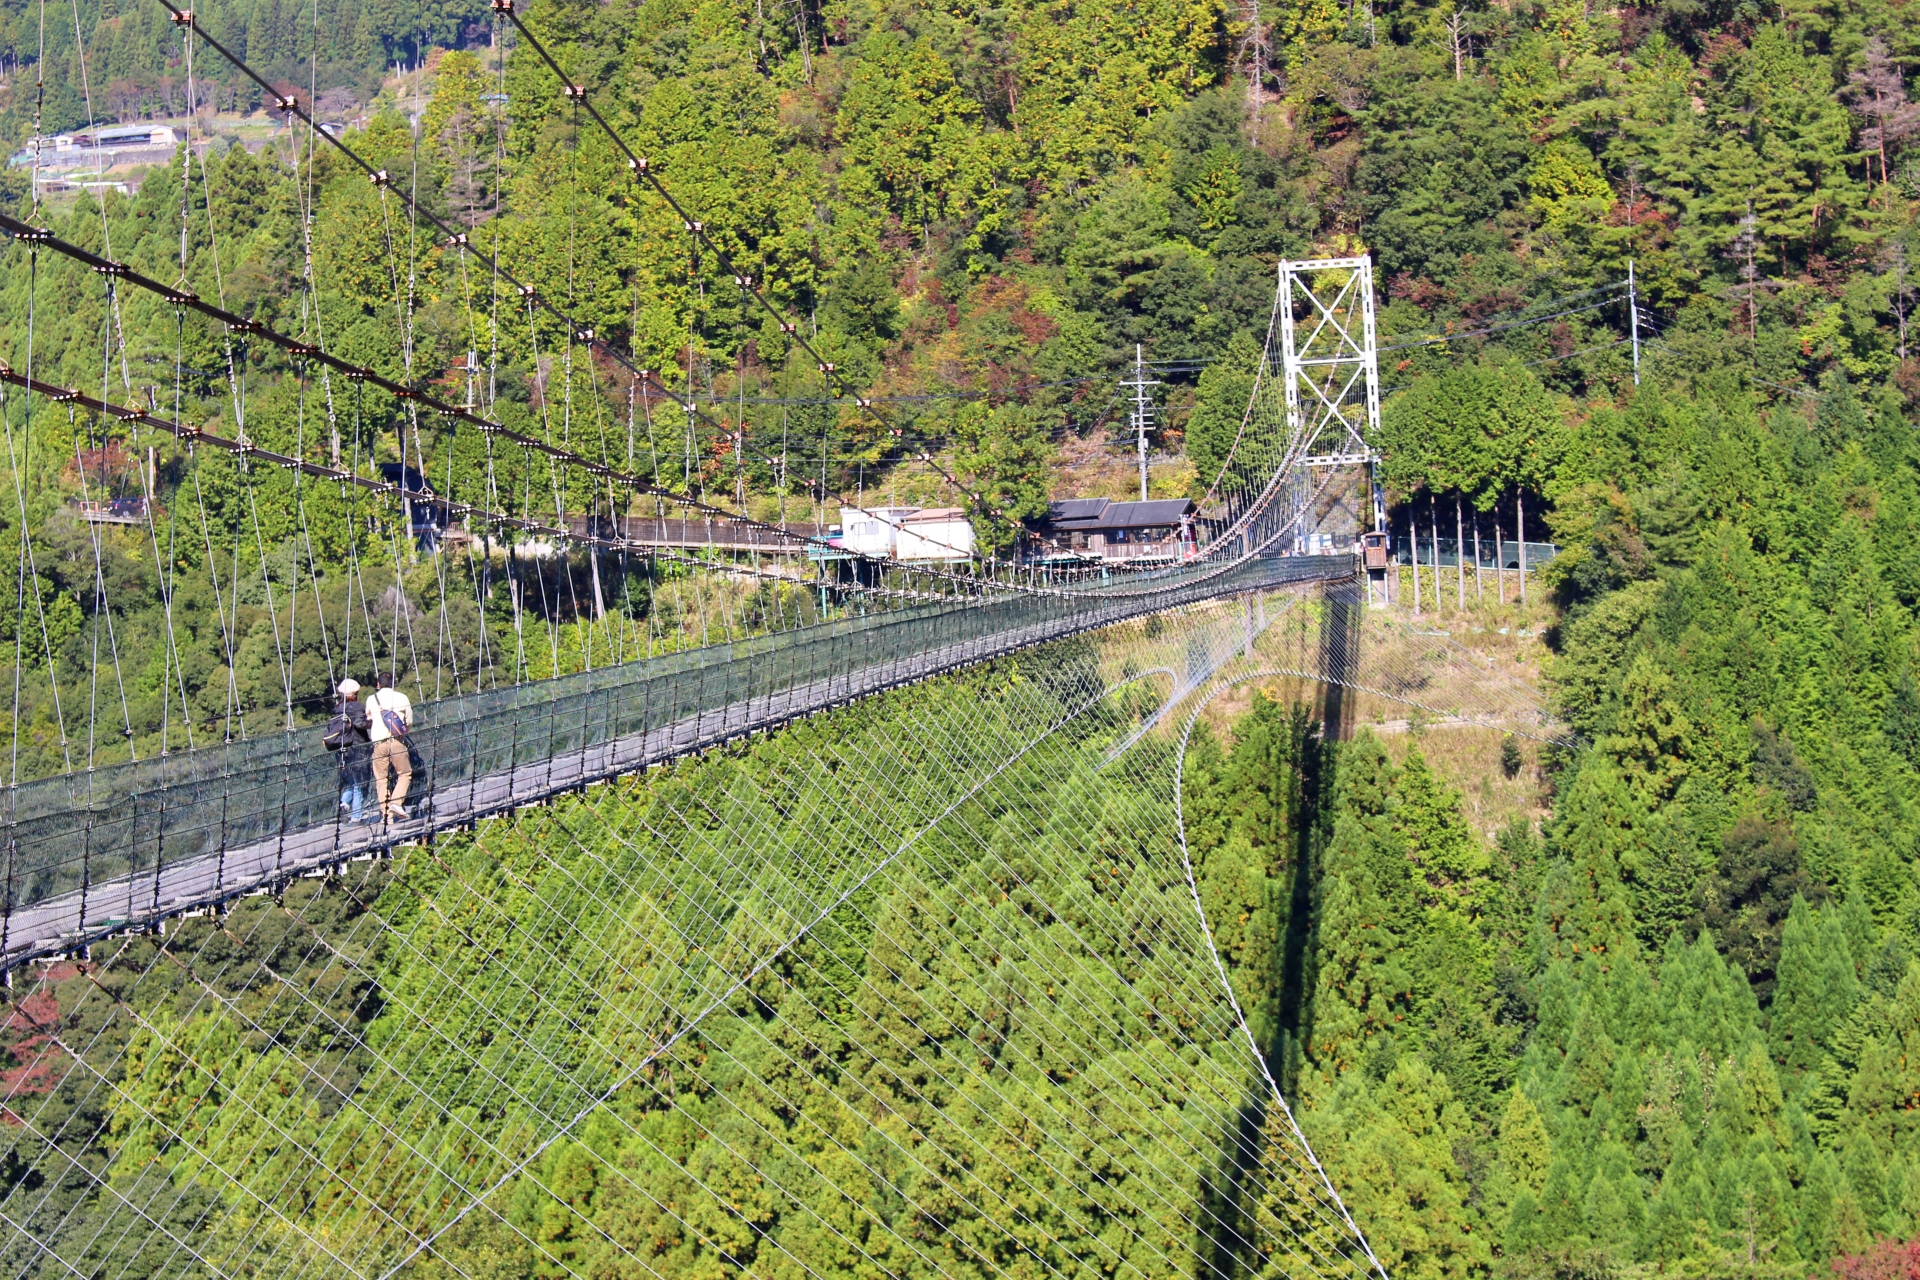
pixel 353 796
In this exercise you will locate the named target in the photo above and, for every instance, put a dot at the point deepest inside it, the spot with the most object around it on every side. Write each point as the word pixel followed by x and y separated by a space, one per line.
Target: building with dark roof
pixel 1100 529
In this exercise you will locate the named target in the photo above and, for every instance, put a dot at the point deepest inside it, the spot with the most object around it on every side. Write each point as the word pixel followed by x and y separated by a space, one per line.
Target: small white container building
pixel 870 531
pixel 939 533
pixel 907 533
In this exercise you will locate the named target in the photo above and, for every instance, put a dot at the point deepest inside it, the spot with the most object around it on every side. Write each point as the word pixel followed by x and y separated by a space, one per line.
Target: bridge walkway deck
pixel 131 854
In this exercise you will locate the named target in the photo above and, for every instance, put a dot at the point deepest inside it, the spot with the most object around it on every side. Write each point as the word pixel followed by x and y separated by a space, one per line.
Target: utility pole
pixel 1633 321
pixel 1142 411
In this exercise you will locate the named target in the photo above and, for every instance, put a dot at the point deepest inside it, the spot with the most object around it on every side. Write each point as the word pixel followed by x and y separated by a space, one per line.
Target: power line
pixel 1601 346
pixel 1440 339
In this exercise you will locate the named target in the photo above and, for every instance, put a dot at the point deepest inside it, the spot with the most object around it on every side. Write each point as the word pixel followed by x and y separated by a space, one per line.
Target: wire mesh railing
pixel 93 853
pixel 496 1004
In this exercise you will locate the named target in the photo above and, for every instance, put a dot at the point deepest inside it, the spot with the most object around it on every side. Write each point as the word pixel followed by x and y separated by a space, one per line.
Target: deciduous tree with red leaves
pixel 1886 1260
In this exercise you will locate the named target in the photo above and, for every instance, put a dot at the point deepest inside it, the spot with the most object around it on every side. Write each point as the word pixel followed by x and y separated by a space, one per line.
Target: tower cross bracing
pixel 1329 363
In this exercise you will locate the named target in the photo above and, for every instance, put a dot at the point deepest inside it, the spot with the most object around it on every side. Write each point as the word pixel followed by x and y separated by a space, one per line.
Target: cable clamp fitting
pixel 182 17
pixel 286 102
pixel 458 240
pixel 574 92
pixel 380 178
pixel 788 326
pixel 826 368
pixel 527 292
pixel 503 6
pixel 745 282
pixel 638 164
pixel 585 335
pixel 696 227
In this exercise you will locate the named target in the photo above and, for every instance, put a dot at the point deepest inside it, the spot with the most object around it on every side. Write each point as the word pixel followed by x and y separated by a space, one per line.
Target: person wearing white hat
pixel 349 735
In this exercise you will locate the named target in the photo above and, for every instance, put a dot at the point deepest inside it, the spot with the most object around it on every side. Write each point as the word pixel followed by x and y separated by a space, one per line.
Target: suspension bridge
pixel 124 845
pixel 251 1037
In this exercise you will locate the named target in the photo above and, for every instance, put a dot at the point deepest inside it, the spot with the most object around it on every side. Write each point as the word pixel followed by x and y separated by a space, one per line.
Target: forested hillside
pixel 1674 1030
pixel 974 215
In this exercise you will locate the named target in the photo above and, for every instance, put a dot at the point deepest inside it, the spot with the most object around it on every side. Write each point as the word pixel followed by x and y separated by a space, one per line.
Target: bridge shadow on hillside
pixel 1340 623
pixel 1228 1240
pixel 1225 1246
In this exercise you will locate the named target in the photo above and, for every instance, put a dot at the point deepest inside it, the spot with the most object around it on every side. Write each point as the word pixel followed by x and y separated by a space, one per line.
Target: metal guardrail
pixel 1491 555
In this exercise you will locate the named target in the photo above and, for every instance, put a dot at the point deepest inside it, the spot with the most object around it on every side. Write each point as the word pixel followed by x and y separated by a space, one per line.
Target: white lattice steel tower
pixel 1330 366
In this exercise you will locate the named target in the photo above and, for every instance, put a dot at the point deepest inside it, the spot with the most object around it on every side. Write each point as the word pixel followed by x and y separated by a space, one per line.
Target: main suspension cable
pixel 455 238
pixel 184 297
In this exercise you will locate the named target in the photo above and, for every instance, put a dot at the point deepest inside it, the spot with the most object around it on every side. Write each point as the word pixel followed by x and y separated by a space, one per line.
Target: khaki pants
pixel 391 751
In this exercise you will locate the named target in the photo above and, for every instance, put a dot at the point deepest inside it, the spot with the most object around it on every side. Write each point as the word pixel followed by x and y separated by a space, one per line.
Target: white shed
pixel 939 533
pixel 907 533
pixel 871 531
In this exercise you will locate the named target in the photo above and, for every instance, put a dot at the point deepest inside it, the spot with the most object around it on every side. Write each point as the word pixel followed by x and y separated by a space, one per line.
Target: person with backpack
pixel 391 715
pixel 350 736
